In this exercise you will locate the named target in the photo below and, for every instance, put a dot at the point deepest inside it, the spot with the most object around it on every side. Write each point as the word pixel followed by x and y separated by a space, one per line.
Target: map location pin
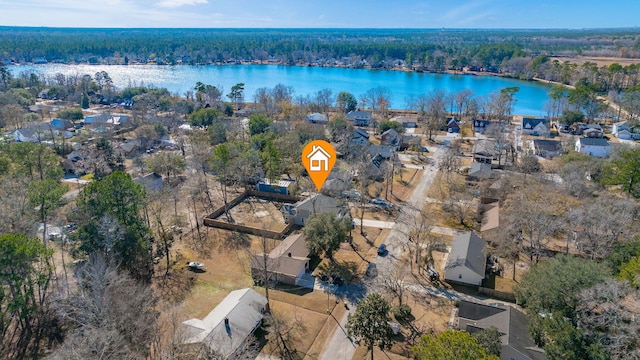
pixel 318 157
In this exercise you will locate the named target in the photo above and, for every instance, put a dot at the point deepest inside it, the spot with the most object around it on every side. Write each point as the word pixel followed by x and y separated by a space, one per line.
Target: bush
pixel 401 312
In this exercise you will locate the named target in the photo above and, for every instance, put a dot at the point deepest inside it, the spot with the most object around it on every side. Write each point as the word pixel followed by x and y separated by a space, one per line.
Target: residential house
pixel 129 147
pixel 511 323
pixel 546 148
pixel 453 125
pixel 590 130
pixel 299 212
pixel 385 152
pixel 318 159
pixel 598 147
pixel 360 137
pixel 406 122
pixel 535 126
pixel 390 138
pixel 227 327
pixel 317 118
pixel 337 182
pixel 280 186
pixel 484 151
pixel 626 130
pixel 467 260
pixel 96 120
pixel 34 133
pixel 409 141
pixel 151 181
pixel 360 118
pixel 479 125
pixel 286 263
pixel 479 171
pixel 61 124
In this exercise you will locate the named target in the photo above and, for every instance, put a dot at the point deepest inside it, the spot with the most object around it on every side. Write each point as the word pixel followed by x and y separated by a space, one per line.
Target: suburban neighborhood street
pixel 340 347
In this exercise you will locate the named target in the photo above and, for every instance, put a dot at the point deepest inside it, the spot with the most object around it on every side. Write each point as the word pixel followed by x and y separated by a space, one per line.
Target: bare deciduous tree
pixel 110 315
pixel 608 313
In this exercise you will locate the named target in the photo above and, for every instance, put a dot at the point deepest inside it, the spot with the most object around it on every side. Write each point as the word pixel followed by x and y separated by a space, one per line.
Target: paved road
pixel 340 346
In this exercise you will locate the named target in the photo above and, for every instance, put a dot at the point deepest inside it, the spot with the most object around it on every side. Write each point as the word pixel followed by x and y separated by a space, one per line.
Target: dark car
pixel 382 250
pixel 372 270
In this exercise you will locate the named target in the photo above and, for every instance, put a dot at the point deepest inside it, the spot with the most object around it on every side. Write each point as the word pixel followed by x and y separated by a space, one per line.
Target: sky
pixel 322 13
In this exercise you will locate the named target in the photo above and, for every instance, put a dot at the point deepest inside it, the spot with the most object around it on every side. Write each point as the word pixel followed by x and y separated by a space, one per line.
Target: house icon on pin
pixel 318 159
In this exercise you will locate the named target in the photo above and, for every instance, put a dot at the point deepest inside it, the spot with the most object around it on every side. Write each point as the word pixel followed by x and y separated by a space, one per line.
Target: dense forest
pixel 450 47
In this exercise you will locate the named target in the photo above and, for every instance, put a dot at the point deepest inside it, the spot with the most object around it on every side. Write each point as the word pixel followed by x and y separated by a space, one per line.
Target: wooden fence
pixel 210 220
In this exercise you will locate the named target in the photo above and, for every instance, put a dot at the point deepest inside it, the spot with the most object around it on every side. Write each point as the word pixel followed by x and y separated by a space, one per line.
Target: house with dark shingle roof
pixel 511 323
pixel 535 126
pixel 359 118
pixel 547 148
pixel 467 260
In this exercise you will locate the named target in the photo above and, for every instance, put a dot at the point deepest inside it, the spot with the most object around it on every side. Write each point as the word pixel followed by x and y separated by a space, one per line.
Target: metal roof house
pixel 467 260
pixel 226 328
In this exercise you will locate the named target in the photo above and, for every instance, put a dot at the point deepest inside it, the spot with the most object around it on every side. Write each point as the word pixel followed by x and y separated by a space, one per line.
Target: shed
pixel 280 186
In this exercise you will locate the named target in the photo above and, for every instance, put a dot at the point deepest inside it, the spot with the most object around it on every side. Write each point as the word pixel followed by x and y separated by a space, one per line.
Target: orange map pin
pixel 318 157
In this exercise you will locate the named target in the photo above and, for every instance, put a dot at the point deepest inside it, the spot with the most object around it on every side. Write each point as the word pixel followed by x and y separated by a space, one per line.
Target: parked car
pixel 196 266
pixel 372 270
pixel 382 250
pixel 351 194
pixel 381 203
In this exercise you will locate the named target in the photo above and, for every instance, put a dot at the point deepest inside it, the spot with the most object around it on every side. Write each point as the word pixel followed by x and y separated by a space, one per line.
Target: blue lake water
pixel 305 80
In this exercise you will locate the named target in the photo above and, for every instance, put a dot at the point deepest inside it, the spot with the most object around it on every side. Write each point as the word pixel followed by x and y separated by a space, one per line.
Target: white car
pixel 196 265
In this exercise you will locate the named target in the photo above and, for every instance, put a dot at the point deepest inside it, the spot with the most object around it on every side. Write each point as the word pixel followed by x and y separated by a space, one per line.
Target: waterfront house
pixel 535 126
pixel 360 118
pixel 597 147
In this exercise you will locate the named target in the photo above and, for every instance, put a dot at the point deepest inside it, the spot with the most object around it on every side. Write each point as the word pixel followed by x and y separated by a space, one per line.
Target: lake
pixel 305 80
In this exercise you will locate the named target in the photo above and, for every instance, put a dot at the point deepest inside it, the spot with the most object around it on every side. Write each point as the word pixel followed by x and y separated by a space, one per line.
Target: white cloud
pixel 178 3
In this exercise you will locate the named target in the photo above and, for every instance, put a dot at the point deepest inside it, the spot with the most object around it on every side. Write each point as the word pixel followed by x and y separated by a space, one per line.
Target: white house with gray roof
pixel 598 147
pixel 225 330
pixel 467 260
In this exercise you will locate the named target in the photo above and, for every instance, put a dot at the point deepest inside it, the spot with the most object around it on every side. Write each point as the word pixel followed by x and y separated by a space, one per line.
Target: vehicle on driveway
pixel 196 266
pixel 372 270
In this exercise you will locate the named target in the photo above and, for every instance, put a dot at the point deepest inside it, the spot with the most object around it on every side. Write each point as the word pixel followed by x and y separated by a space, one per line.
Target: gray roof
pixel 547 145
pixel 484 147
pixel 353 115
pixel 320 203
pixel 480 170
pixel 512 324
pixel 594 141
pixel 317 117
pixel 243 308
pixel 385 151
pixel 468 250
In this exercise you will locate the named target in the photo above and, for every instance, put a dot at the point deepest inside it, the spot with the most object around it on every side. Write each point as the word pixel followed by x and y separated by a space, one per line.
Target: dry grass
pixel 601 61
pixel 257 213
